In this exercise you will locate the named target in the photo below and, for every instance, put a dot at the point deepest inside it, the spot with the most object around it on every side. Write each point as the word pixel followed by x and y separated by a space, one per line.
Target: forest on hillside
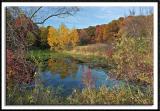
pixel 108 63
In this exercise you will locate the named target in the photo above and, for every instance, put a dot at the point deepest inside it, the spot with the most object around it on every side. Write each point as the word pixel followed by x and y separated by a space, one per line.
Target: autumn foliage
pixel 133 53
pixel 19 70
pixel 62 38
pixel 104 33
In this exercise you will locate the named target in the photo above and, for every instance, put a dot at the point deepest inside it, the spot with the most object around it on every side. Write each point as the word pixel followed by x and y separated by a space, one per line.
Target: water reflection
pixel 63 67
pixel 87 78
pixel 70 76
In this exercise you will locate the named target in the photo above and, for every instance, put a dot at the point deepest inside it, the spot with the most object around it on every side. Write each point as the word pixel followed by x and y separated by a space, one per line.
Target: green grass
pixel 44 55
pixel 92 60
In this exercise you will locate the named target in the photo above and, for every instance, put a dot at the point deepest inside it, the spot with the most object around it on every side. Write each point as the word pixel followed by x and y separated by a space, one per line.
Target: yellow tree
pixel 74 38
pixel 63 36
pixel 52 38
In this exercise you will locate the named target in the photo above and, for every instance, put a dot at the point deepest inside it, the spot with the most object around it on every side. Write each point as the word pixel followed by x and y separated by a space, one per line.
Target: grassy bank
pixel 90 59
pixel 99 50
pixel 42 96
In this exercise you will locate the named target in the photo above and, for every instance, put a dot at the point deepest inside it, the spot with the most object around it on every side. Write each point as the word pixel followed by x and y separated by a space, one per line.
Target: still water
pixel 71 76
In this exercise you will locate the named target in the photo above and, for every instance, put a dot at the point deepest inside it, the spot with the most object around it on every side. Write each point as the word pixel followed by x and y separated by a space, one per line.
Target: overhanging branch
pixel 35 12
pixel 52 16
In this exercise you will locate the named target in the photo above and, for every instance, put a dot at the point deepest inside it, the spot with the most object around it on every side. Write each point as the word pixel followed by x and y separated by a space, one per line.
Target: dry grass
pixel 102 50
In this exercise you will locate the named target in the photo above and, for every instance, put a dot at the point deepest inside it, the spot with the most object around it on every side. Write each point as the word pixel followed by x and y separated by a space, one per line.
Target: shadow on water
pixel 70 76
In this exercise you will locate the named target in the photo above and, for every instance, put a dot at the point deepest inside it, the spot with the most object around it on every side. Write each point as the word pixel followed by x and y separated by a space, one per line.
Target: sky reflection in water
pixel 70 76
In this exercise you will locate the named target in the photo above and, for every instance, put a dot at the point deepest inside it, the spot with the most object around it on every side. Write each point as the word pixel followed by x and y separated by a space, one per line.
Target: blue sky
pixel 91 16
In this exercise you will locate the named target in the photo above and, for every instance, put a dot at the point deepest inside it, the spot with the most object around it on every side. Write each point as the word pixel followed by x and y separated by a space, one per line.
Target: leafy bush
pixel 31 39
pixel 17 71
pixel 133 56
pixel 43 37
pixel 123 95
pixel 133 59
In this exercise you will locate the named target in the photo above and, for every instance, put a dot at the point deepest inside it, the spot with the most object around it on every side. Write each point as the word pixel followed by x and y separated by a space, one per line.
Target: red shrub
pixel 18 70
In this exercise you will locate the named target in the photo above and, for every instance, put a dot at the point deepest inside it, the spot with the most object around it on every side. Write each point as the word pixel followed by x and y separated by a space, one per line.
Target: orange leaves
pixel 107 32
pixel 100 33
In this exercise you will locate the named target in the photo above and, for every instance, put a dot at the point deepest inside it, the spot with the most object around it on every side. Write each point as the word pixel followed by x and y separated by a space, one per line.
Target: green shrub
pixel 31 39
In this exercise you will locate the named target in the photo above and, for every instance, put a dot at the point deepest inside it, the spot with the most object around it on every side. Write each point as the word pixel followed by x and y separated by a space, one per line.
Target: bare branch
pixel 60 12
pixel 35 12
pixel 52 16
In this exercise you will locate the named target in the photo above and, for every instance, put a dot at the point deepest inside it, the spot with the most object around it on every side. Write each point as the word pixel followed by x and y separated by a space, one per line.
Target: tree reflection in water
pixel 87 77
pixel 63 67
